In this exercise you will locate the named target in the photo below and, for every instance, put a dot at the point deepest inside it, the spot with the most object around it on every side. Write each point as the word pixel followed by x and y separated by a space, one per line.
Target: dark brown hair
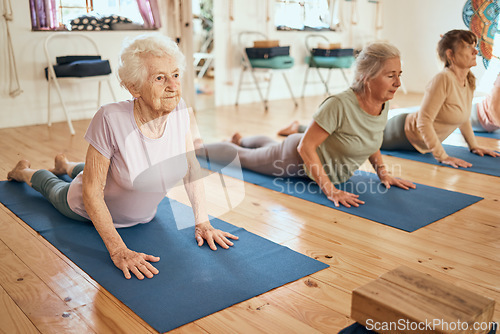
pixel 452 40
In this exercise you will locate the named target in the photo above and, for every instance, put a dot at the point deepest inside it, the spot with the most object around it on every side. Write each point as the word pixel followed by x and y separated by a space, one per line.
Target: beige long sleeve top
pixel 445 107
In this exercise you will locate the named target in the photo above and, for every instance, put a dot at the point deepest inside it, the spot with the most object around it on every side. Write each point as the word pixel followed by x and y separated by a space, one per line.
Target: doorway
pixel 203 46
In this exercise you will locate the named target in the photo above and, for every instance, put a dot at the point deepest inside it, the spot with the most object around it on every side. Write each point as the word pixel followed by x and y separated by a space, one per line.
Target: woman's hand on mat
pixel 205 231
pixel 484 151
pixel 388 180
pixel 138 263
pixel 343 197
pixel 456 162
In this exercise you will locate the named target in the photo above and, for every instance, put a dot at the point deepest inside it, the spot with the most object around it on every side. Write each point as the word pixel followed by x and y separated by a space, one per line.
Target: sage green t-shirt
pixel 354 134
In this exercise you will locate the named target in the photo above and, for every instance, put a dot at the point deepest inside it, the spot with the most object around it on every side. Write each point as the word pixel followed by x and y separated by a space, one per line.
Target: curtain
pixel 43 14
pixel 150 13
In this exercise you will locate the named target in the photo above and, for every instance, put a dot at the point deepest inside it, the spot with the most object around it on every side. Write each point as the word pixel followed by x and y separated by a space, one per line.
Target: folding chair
pixel 243 39
pixel 76 42
pixel 329 63
pixel 203 60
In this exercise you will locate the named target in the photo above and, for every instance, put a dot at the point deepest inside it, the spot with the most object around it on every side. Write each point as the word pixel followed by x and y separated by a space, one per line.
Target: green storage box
pixel 330 62
pixel 278 62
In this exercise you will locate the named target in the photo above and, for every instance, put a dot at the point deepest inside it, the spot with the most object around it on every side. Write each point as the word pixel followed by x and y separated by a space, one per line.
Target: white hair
pixel 370 62
pixel 131 69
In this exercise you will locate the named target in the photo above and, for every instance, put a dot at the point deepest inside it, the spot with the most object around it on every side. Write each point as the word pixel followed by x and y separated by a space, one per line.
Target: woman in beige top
pixel 446 105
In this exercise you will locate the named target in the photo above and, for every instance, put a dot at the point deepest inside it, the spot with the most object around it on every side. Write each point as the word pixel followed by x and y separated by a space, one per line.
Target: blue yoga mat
pixel 357 328
pixel 483 165
pixel 193 281
pixel 407 210
pixel 494 135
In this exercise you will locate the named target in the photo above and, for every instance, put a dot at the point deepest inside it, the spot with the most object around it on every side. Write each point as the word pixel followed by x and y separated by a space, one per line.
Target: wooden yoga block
pixel 329 46
pixel 404 300
pixel 266 44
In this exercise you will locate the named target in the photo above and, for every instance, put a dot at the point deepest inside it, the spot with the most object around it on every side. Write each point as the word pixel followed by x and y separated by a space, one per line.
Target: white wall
pixel 252 15
pixel 31 106
pixel 414 26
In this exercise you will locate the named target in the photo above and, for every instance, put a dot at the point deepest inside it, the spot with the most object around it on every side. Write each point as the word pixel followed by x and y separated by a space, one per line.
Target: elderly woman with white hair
pixel 345 131
pixel 138 150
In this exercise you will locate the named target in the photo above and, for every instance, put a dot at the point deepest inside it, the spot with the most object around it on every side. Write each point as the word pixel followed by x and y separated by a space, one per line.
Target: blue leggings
pixel 56 190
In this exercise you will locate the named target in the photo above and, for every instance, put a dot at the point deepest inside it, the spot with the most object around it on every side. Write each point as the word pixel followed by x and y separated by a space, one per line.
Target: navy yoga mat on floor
pixel 483 165
pixel 494 135
pixel 193 281
pixel 407 210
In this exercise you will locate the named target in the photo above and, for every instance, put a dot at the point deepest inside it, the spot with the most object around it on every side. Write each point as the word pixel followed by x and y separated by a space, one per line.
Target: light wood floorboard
pixel 43 291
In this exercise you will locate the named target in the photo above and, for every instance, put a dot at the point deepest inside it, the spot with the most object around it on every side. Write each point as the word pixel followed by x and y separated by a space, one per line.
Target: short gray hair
pixel 370 61
pixel 131 69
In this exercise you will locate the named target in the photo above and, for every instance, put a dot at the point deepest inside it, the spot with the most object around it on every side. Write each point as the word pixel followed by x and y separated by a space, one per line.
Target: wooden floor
pixel 42 291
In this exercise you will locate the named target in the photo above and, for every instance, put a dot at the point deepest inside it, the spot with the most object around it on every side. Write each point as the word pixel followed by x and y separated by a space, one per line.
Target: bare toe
pixel 60 164
pixel 15 173
pixel 236 139
pixel 198 143
pixel 290 129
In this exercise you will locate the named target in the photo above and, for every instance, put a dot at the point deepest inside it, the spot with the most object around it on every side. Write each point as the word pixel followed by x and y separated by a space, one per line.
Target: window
pixel 68 10
pixel 304 15
pixel 94 14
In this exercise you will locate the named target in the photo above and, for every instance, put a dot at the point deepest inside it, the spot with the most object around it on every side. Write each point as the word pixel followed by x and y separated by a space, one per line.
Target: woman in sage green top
pixel 346 130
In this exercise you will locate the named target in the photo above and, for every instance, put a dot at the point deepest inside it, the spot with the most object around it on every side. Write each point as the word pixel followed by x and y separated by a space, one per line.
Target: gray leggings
pixel 302 128
pixel 260 154
pixel 394 135
pixel 56 190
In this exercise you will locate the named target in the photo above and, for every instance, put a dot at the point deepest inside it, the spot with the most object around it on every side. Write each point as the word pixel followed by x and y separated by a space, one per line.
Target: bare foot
pixel 60 162
pixel 198 143
pixel 236 139
pixel 17 174
pixel 290 129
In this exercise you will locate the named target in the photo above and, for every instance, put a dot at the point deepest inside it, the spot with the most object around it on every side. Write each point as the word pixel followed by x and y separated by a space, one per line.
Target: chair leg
pixel 345 77
pixel 111 90
pixel 258 88
pixel 268 87
pixel 328 76
pixel 99 94
pixel 68 119
pixel 205 67
pixel 49 120
pixel 323 81
pixel 305 81
pixel 239 85
pixel 290 90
